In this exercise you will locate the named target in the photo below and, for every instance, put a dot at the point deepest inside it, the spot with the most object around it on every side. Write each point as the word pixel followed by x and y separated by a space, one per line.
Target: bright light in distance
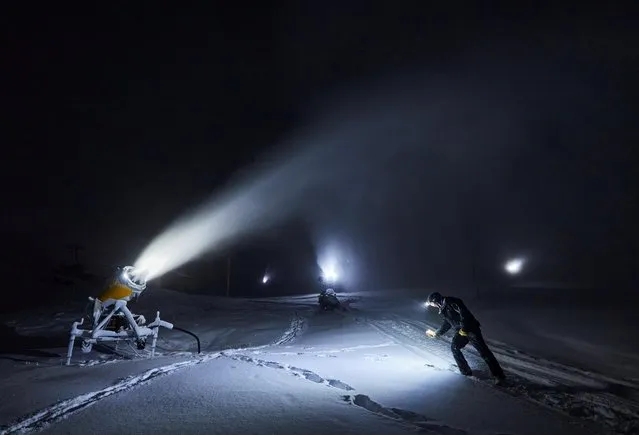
pixel 514 266
pixel 330 275
pixel 265 279
pixel 331 263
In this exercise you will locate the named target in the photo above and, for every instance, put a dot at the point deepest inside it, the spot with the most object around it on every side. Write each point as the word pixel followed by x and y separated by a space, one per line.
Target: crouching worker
pixel 467 329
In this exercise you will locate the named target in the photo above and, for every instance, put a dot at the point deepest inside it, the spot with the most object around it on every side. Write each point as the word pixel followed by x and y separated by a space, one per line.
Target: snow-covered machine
pixel 328 300
pixel 110 318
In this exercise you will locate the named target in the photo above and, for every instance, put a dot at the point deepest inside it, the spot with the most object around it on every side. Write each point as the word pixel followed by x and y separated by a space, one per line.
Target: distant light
pixel 330 275
pixel 514 266
pixel 266 279
pixel 334 264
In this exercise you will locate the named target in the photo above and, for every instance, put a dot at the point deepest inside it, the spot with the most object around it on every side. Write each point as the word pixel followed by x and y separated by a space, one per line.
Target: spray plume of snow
pixel 334 156
pixel 377 144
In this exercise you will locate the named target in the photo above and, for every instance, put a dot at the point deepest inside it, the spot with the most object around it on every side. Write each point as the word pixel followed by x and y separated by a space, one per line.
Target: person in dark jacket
pixel 467 329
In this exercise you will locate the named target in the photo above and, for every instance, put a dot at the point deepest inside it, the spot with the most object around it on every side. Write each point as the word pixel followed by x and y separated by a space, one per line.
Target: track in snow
pixel 63 409
pixel 295 371
pixel 295 329
pixel 417 421
pixel 572 391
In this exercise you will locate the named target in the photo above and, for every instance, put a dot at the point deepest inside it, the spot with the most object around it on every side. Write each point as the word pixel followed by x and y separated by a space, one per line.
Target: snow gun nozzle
pixel 135 278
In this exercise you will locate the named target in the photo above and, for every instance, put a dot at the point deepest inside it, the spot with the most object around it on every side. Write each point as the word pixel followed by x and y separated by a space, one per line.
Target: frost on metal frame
pixel 111 320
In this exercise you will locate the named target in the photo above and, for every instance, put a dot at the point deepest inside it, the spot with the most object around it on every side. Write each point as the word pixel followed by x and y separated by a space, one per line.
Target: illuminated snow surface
pixel 278 365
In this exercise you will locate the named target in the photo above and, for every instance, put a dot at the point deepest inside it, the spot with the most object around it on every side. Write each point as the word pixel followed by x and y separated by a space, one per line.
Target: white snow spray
pixel 375 151
pixel 319 163
pixel 252 204
pixel 271 193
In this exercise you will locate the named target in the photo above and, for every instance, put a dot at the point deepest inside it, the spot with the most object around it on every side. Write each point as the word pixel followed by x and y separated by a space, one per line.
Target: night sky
pixel 118 119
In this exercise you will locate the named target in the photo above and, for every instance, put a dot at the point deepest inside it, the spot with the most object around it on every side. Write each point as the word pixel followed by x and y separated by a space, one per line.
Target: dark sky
pixel 121 117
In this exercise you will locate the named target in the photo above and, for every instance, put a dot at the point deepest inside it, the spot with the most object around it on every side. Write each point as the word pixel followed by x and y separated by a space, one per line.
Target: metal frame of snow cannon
pixel 113 321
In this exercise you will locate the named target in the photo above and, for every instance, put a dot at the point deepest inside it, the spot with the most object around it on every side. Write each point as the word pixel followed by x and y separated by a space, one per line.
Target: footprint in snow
pixel 339 384
pixel 296 371
pixel 313 377
pixel 410 416
pixel 273 365
pixel 396 414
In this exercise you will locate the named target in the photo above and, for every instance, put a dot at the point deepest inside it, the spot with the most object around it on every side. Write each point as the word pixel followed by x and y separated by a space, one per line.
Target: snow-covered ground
pixel 277 365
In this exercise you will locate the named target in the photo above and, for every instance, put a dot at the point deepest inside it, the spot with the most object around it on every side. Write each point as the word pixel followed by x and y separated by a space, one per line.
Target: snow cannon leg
pixel 155 326
pixel 154 342
pixel 155 334
pixel 70 349
pixel 134 325
pixel 74 333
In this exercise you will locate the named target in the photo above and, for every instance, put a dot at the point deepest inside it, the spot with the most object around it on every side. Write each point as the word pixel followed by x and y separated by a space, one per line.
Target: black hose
pixel 191 334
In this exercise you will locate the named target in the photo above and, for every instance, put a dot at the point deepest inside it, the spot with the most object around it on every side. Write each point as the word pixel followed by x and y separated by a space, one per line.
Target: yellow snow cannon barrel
pixel 125 285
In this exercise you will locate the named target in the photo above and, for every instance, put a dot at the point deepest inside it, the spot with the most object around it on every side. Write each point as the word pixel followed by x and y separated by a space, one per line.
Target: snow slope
pixel 279 366
pixel 594 338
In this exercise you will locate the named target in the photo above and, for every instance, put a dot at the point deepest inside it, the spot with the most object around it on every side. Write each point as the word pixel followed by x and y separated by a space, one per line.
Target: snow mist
pixel 333 157
pixel 371 151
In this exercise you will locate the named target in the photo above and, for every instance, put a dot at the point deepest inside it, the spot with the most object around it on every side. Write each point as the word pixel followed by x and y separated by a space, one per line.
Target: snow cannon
pixel 127 285
pixel 111 320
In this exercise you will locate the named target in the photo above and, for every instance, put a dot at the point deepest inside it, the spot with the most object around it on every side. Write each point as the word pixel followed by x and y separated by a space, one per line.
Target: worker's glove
pixel 431 333
pixel 463 333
